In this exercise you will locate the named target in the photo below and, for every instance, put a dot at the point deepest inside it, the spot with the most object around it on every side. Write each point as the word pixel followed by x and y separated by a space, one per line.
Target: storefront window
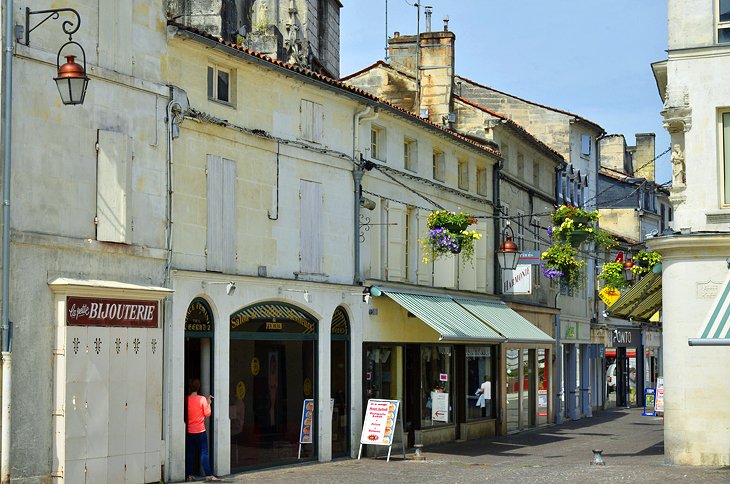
pixel 436 385
pixel 381 372
pixel 527 405
pixel 480 388
pixel 271 364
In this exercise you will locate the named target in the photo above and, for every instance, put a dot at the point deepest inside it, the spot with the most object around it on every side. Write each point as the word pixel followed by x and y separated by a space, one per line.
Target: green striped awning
pixel 714 330
pixel 445 316
pixel 506 321
pixel 640 302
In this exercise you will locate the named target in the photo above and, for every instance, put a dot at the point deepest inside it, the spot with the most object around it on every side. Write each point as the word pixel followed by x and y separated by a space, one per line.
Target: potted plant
pixel 573 225
pixel 560 262
pixel 645 261
pixel 612 275
pixel 448 235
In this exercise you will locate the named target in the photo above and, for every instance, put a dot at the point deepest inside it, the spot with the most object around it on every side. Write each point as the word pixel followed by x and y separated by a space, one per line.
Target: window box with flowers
pixel 448 235
pixel 572 226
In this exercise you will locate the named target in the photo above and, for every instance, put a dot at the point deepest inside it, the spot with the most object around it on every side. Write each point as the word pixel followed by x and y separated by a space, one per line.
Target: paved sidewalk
pixel 632 450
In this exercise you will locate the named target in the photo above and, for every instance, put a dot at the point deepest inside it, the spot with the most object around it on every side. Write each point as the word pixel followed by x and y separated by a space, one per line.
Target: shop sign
pixel 379 425
pixel 439 407
pixel 443 377
pixel 649 402
pixel 659 405
pixel 89 311
pixel 198 317
pixel 530 257
pixel 518 281
pixel 305 430
pixel 625 338
pixel 609 295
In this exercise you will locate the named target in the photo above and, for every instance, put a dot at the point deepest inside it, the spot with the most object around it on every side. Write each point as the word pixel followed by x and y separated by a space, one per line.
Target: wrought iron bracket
pixel 69 27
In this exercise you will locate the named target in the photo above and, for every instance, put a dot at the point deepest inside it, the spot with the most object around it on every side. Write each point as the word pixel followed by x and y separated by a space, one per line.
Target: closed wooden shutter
pixel 423 274
pixel 310 194
pixel 221 237
pixel 115 35
pixel 396 241
pixel 113 187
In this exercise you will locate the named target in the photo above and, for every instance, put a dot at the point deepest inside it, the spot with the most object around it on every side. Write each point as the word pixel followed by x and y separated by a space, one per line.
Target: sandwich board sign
pixel 305 429
pixel 379 425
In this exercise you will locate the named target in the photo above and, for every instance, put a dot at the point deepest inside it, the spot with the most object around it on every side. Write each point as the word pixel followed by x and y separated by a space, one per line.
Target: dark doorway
pixel 199 363
pixel 340 383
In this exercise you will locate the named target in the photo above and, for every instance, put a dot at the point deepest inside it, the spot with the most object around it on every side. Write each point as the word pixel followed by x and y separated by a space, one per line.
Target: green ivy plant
pixel 612 275
pixel 560 262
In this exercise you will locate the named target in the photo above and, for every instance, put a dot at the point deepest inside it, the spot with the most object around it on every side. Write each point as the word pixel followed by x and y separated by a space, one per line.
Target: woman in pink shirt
pixel 198 407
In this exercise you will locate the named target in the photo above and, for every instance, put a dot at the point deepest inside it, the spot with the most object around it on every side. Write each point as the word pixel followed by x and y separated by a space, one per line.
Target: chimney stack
pixel 644 156
pixel 428 19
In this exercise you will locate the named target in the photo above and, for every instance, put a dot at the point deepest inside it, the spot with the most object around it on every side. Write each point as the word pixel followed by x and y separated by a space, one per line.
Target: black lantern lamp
pixel 71 77
pixel 628 273
pixel 508 253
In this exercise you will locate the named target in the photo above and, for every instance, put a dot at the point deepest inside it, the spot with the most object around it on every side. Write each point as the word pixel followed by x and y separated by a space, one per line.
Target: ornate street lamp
pixel 508 253
pixel 628 273
pixel 71 79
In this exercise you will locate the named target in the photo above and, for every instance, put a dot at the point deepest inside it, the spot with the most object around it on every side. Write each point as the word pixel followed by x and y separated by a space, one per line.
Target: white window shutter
pixel 305 120
pixel 480 257
pixel 396 241
pixel 222 227
pixel 310 226
pixel 113 187
pixel 115 35
pixel 228 214
pixel 317 123
pixel 423 275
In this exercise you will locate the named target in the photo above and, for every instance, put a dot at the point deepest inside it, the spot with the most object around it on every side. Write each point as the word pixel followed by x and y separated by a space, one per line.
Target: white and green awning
pixel 715 330
pixel 451 321
pixel 506 321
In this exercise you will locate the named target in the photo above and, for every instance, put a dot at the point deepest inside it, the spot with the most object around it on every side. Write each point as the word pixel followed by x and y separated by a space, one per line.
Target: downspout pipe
pixel 6 344
pixel 357 173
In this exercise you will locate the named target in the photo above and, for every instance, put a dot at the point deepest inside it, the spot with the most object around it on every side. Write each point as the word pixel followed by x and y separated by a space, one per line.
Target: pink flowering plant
pixel 448 234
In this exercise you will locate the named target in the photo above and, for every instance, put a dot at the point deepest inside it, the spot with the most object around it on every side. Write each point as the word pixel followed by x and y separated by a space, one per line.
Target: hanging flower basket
pixel 572 227
pixel 645 261
pixel 448 235
pixel 577 237
pixel 612 275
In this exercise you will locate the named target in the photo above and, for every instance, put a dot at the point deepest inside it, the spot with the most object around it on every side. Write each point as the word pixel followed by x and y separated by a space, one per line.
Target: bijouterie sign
pixel 88 311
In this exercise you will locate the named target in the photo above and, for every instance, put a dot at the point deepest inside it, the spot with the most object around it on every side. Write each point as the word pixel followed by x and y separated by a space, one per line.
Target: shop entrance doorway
pixel 340 383
pixel 199 363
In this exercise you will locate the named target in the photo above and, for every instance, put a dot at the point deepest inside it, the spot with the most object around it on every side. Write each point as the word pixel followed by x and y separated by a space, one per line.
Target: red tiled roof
pixel 517 127
pixel 332 82
pixel 581 118
pixel 365 69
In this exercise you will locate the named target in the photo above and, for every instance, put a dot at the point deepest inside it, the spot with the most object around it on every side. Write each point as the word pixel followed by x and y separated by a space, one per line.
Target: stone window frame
pixel 213 70
pixel 722 26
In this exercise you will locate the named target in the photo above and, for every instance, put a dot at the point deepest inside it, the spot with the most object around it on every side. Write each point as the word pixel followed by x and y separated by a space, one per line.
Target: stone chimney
pixel 613 153
pixel 437 75
pixel 644 156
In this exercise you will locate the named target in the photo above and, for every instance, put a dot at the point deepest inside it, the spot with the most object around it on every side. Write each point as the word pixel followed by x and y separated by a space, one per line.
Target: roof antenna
pixel 386 31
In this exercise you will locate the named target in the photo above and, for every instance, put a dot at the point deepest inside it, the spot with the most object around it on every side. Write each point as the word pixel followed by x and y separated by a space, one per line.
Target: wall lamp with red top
pixel 71 78
pixel 508 252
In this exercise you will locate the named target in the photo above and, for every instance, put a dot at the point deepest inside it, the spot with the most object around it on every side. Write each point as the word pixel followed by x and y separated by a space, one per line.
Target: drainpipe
pixel 6 346
pixel 357 173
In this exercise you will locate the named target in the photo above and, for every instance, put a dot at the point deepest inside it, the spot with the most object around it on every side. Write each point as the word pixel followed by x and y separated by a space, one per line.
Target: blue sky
pixel 589 57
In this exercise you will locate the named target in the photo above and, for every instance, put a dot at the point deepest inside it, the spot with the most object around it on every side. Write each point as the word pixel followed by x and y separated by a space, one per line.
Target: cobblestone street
pixel 632 450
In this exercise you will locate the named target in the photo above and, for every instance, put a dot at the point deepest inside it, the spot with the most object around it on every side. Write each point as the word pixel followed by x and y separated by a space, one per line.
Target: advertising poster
pixel 379 425
pixel 649 402
pixel 439 407
pixel 659 405
pixel 305 431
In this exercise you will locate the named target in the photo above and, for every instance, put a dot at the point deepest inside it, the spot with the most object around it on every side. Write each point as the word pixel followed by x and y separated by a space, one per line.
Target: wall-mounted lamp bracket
pixel 69 26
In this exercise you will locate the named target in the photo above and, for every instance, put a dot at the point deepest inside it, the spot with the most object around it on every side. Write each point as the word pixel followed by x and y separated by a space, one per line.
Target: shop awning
pixel 714 330
pixel 445 316
pixel 640 302
pixel 506 321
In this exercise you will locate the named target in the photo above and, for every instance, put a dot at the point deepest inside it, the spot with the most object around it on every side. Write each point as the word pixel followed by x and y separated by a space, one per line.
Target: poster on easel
pixel 659 401
pixel 379 425
pixel 305 429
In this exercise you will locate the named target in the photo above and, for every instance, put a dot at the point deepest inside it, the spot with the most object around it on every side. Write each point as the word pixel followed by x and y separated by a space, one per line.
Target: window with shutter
pixel 396 241
pixel 310 214
pixel 311 121
pixel 115 36
pixel 114 187
pixel 221 227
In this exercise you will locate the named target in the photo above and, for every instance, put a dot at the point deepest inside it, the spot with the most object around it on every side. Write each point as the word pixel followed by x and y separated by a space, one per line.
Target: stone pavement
pixel 632 450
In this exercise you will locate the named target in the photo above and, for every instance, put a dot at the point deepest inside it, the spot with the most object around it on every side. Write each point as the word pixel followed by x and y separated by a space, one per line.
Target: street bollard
pixel 419 454
pixel 597 458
